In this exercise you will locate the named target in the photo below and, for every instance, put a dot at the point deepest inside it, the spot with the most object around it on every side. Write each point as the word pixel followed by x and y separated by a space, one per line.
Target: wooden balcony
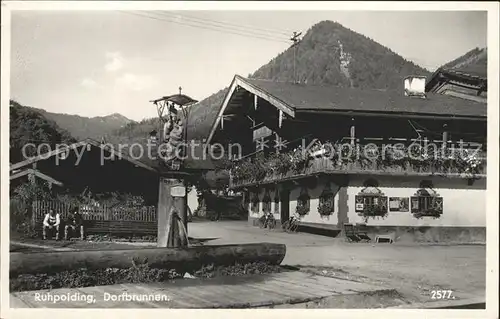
pixel 323 165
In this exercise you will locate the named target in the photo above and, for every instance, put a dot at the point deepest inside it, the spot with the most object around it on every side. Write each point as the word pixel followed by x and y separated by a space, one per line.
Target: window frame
pixel 327 197
pixel 426 203
pixel 373 199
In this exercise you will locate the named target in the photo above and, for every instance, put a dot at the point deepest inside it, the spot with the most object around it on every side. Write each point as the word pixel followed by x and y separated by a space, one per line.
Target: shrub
pixel 139 272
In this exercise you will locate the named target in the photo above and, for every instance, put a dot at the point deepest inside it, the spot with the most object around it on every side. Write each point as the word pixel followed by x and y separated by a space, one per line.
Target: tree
pixel 28 126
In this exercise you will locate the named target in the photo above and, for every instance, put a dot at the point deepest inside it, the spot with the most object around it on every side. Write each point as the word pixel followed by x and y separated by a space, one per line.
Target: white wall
pixel 260 212
pixel 313 216
pixel 463 205
pixel 192 199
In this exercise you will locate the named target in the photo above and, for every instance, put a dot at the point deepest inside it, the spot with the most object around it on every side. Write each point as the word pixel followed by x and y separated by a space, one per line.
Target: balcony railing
pixel 325 165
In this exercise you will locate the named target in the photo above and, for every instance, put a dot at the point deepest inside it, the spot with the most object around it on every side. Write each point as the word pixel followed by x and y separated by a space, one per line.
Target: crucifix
pixel 172 199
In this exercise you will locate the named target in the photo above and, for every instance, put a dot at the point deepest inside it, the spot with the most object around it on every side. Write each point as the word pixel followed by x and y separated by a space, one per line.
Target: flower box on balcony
pixel 285 166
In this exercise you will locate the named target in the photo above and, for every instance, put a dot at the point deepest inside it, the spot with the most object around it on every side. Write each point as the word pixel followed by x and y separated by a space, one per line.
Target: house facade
pixel 331 156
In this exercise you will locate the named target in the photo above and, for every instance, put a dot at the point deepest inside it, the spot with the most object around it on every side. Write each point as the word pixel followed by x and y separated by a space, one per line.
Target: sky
pixel 95 63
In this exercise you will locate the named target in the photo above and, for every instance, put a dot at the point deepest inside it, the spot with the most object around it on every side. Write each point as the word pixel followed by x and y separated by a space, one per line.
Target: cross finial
pixel 180 89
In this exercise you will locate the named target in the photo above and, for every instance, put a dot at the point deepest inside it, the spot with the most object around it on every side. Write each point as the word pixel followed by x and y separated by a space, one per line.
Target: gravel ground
pixel 412 269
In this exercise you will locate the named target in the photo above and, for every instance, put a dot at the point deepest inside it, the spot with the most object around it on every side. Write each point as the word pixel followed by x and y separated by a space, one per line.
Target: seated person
pixel 51 222
pixel 74 222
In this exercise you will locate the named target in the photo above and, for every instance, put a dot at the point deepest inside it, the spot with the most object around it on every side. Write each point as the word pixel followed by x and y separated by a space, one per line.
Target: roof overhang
pixel 239 82
pixel 36 173
pixel 441 75
pixel 395 115
pixel 85 143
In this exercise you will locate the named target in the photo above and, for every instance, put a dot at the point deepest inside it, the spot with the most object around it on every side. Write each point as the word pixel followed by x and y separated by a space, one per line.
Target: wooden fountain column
pixel 172 193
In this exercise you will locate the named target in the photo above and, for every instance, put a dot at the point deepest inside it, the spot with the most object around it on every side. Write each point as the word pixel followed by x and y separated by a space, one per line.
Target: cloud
pixel 115 61
pixel 135 82
pixel 89 83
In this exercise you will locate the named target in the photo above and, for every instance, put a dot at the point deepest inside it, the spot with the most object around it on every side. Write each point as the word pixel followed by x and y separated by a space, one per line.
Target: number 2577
pixel 441 294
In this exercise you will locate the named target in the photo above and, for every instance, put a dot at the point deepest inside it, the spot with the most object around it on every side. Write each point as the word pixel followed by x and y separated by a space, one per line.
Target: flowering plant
pixel 374 211
pixel 298 159
pixel 278 163
pixel 428 213
pixel 398 156
pixel 325 207
pixel 301 209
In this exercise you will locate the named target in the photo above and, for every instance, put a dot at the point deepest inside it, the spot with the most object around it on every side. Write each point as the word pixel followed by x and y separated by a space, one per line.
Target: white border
pixel 492 183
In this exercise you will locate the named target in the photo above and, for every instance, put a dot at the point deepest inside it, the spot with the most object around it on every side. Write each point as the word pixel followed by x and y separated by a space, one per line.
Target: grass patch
pixel 137 273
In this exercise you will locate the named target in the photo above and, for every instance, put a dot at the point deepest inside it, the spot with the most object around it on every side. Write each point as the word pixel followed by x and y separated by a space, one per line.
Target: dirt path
pixel 413 269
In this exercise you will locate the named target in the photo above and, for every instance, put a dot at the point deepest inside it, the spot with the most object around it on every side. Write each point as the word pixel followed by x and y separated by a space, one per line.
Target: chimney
pixel 414 86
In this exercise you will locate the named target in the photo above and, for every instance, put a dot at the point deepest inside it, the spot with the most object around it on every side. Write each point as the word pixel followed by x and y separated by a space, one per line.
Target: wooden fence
pixel 101 219
pixel 96 213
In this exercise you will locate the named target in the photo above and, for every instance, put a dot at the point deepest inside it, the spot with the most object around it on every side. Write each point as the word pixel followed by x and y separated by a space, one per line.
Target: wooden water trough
pixel 180 259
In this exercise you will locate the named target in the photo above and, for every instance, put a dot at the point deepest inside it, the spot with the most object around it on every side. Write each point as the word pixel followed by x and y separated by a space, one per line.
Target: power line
pixel 224 30
pixel 295 39
pixel 225 24
pixel 244 31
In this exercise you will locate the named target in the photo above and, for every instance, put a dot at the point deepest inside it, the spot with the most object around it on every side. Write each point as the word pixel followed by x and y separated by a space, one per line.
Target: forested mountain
pixel 83 127
pixel 474 62
pixel 329 54
pixel 27 125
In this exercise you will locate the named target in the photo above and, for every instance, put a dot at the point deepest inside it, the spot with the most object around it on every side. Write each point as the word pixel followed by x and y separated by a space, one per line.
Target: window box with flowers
pixel 371 203
pixel 426 203
pixel 326 156
pixel 303 203
pixel 326 201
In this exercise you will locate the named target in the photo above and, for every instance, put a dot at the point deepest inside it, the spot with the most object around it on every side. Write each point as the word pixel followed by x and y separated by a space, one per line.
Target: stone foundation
pixel 409 234
pixel 434 234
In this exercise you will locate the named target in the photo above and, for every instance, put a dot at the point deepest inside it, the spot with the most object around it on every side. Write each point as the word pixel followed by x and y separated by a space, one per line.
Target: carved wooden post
pixel 170 198
pixel 445 136
pixel 353 132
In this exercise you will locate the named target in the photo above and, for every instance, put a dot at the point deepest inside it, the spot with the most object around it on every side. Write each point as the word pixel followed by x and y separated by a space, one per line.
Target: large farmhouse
pixel 335 155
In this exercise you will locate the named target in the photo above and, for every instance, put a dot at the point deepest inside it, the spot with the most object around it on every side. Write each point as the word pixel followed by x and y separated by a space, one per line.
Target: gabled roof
pixel 30 171
pixel 92 143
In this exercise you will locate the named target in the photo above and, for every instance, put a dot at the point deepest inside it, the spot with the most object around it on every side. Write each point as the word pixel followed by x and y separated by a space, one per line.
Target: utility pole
pixel 295 39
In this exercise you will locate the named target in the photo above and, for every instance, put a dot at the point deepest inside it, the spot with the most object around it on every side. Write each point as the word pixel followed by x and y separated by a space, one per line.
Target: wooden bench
pixel 356 233
pixel 112 227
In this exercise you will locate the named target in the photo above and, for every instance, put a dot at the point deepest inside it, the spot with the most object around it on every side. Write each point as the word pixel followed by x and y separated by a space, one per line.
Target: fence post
pixel 33 213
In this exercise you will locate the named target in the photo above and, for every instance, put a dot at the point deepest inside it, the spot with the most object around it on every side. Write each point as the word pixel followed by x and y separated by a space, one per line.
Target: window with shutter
pixel 303 202
pixel 371 202
pixel 326 201
pixel 426 203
